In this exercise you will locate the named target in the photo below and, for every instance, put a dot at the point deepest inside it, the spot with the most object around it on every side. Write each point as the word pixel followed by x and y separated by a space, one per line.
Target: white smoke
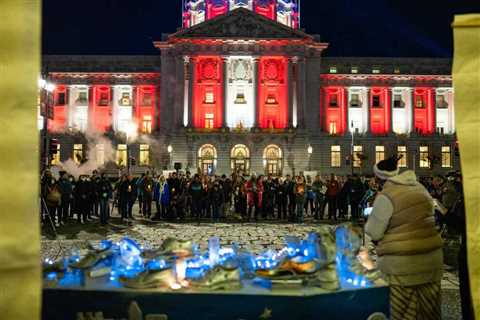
pixel 91 157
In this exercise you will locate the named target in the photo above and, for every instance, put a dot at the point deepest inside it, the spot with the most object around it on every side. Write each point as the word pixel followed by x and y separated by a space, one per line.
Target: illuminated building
pixel 242 87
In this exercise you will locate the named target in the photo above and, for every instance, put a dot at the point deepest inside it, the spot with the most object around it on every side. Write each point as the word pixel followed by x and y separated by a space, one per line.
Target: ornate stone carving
pixel 241 23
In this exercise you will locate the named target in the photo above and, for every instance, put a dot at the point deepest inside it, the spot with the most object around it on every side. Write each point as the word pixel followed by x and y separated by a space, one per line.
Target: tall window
pixel 144 155
pixel 357 156
pixel 103 99
pixel 376 102
pixel 56 156
pixel 379 153
pixel 82 97
pixel 147 124
pixel 100 154
pixel 240 159
pixel 335 156
pixel 147 99
pixel 355 101
pixel 122 155
pixel 446 157
pixel 419 102
pixel 333 128
pixel 61 99
pixel 398 101
pixel 125 100
pixel 441 102
pixel 333 101
pixel 333 69
pixel 78 153
pixel 207 159
pixel 402 153
pixel 209 97
pixel 272 160
pixel 240 98
pixel 424 157
pixel 209 121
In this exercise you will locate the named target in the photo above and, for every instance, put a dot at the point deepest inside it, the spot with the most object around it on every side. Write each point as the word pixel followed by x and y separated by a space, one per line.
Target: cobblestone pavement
pixel 255 237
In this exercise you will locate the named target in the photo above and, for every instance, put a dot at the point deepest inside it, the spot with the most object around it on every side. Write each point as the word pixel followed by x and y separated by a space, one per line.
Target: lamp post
pixel 170 150
pixel 46 88
pixel 309 151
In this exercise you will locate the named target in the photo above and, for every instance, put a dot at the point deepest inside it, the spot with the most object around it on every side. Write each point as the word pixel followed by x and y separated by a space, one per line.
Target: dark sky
pixel 395 28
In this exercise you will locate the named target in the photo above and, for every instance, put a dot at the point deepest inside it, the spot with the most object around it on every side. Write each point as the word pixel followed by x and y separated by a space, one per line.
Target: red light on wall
pixel 208 92
pixel 424 110
pixel 334 109
pixel 272 93
pixel 144 108
pixel 60 104
pixel 266 8
pixel 215 8
pixel 101 107
pixel 379 110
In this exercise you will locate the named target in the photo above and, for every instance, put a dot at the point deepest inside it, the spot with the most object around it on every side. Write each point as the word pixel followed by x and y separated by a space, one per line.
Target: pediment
pixel 241 24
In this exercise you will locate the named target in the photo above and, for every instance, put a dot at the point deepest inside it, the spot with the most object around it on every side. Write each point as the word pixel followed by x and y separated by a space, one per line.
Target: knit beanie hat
pixel 386 169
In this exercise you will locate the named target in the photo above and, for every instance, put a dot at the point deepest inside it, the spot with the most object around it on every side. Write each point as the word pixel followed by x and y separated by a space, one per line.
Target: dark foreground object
pixel 247 303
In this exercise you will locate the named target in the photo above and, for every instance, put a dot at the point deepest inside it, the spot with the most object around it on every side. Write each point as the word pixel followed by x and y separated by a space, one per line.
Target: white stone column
pixel 225 90
pixel 186 90
pixel 191 66
pixel 255 89
pixel 294 81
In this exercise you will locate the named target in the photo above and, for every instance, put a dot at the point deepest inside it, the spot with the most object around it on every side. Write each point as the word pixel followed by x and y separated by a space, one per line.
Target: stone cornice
pixel 111 78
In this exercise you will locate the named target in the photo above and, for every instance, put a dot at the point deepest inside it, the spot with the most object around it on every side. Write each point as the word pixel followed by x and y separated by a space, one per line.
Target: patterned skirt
pixel 422 302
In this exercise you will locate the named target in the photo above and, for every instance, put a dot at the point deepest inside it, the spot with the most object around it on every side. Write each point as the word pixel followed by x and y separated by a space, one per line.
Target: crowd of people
pixel 181 196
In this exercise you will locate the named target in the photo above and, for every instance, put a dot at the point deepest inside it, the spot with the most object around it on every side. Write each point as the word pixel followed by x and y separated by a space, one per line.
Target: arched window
pixel 272 160
pixel 240 159
pixel 207 159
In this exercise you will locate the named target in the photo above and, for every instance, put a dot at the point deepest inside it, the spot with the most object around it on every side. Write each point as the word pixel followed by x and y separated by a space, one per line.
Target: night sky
pixel 405 28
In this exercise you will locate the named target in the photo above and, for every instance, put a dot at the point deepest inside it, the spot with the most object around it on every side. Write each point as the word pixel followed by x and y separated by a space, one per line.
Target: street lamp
pixel 130 131
pixel 309 151
pixel 46 88
pixel 170 150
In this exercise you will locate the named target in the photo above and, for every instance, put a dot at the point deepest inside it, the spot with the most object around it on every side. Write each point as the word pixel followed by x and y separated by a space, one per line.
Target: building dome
pixel 286 12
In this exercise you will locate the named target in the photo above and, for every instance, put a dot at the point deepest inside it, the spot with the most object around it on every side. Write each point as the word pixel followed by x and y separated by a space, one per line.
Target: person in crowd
pixel 92 200
pixel 343 197
pixel 158 183
pixel 253 201
pixel 268 198
pixel 300 196
pixel 53 199
pixel 290 190
pixel 104 189
pixel 83 199
pixel 120 199
pixel 319 189
pixel 409 248
pixel 356 194
pixel 146 187
pixel 65 188
pixel 218 199
pixel 332 192
pixel 165 199
pixel 95 205
pixel 309 196
pixel 128 191
pixel 196 194
pixel 138 187
pixel 281 199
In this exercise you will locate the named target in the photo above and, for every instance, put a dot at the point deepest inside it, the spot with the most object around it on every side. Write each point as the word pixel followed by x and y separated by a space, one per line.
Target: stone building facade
pixel 244 92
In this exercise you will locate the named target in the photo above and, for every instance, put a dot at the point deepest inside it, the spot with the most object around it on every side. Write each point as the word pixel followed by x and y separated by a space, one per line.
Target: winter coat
pixel 165 194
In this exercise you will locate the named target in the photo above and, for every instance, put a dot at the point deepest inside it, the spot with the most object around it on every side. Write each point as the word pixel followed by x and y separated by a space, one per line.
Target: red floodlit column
pixel 60 105
pixel 208 93
pixel 273 93
pixel 424 110
pixel 215 8
pixel 101 108
pixel 266 8
pixel 334 109
pixel 145 99
pixel 380 110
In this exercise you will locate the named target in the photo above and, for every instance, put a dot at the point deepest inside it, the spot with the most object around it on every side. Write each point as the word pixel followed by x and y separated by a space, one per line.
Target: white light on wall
pixel 310 150
pixel 170 148
pixel 50 87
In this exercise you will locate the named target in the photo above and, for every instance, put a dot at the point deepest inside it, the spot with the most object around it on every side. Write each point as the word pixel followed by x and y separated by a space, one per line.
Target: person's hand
pixel 364 259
